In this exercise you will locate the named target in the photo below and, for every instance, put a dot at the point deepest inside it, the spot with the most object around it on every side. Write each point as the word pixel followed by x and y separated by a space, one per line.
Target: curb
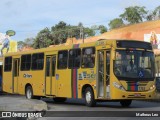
pixel 13 103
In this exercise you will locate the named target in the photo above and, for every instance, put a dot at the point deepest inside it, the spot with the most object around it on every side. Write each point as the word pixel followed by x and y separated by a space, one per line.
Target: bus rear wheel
pixel 89 97
pixel 125 103
pixel 59 99
pixel 29 92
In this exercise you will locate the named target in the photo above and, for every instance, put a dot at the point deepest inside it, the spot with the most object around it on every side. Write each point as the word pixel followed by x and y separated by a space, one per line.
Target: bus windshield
pixel 134 64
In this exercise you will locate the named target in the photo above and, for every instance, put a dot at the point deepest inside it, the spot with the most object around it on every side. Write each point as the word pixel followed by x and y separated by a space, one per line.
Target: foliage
pixel 102 29
pixel 116 23
pixel 156 12
pixel 154 15
pixel 98 29
pixel 21 44
pixel 59 34
pixel 29 41
pixel 43 39
pixel 134 14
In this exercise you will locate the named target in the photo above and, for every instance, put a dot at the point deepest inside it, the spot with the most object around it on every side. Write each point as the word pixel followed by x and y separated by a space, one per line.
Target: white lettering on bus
pixel 27 76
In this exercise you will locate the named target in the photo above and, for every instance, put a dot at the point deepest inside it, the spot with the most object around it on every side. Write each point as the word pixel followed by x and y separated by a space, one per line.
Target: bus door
pixel 104 74
pixel 50 75
pixel 15 75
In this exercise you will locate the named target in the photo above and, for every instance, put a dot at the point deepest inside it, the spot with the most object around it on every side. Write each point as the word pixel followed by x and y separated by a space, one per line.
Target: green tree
pixel 88 32
pixel 21 44
pixel 156 13
pixel 29 42
pixel 102 29
pixel 74 31
pixel 61 31
pixel 134 14
pixel 116 23
pixel 43 39
pixel 150 16
pixel 59 34
pixel 96 30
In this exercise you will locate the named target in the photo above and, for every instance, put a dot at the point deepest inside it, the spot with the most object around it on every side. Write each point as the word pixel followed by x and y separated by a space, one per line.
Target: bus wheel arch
pixel 83 89
pixel 29 91
pixel 88 94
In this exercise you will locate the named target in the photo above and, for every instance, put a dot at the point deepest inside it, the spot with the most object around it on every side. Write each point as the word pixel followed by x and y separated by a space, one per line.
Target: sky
pixel 28 17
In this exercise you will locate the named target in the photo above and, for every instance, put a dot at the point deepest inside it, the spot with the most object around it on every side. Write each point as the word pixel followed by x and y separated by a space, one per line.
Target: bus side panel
pixel 35 78
pixel 86 77
pixel 63 78
pixel 38 80
pixel 7 82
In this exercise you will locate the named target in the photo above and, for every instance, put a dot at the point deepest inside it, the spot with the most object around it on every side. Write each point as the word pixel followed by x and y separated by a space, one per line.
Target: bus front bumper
pixel 120 94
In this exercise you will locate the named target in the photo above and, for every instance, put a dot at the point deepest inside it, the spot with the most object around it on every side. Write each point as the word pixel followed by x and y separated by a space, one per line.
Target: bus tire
pixel 29 92
pixel 89 97
pixel 59 99
pixel 125 103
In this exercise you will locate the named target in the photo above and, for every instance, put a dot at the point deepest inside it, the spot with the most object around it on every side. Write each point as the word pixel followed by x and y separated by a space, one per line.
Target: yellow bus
pixel 1 70
pixel 105 70
pixel 157 64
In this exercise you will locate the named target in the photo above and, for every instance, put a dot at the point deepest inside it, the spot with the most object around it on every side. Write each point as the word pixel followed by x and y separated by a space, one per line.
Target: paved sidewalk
pixel 20 103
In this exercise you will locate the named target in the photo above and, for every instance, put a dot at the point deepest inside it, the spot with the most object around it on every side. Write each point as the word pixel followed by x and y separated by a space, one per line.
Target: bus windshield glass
pixel 134 64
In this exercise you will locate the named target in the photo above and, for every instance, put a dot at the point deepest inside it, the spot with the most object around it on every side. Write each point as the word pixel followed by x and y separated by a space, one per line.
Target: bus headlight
pixel 152 87
pixel 115 84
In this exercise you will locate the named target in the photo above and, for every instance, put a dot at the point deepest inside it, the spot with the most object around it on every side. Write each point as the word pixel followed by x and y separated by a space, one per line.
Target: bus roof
pixel 70 46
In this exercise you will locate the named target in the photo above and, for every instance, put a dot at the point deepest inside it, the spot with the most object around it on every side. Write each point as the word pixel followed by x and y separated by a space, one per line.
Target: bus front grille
pixel 136 96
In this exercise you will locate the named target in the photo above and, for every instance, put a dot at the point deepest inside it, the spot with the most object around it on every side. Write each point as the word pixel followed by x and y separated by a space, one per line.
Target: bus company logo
pixel 84 75
pixel 99 43
pixel 27 76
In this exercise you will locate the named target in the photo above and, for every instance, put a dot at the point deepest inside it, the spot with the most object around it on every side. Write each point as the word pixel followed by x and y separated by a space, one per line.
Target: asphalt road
pixel 114 108
pixel 74 105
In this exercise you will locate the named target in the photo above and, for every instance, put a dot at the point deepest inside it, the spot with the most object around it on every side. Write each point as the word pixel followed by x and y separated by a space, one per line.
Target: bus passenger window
pixel 62 59
pixel 8 64
pixel 25 62
pixel 88 57
pixel 37 61
pixel 74 58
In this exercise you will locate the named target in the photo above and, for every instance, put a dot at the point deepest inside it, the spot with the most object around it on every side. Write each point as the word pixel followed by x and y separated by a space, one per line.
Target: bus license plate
pixel 141 88
pixel 137 95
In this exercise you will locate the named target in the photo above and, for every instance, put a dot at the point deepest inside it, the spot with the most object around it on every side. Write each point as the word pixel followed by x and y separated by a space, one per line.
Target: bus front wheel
pixel 29 93
pixel 125 103
pixel 89 97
